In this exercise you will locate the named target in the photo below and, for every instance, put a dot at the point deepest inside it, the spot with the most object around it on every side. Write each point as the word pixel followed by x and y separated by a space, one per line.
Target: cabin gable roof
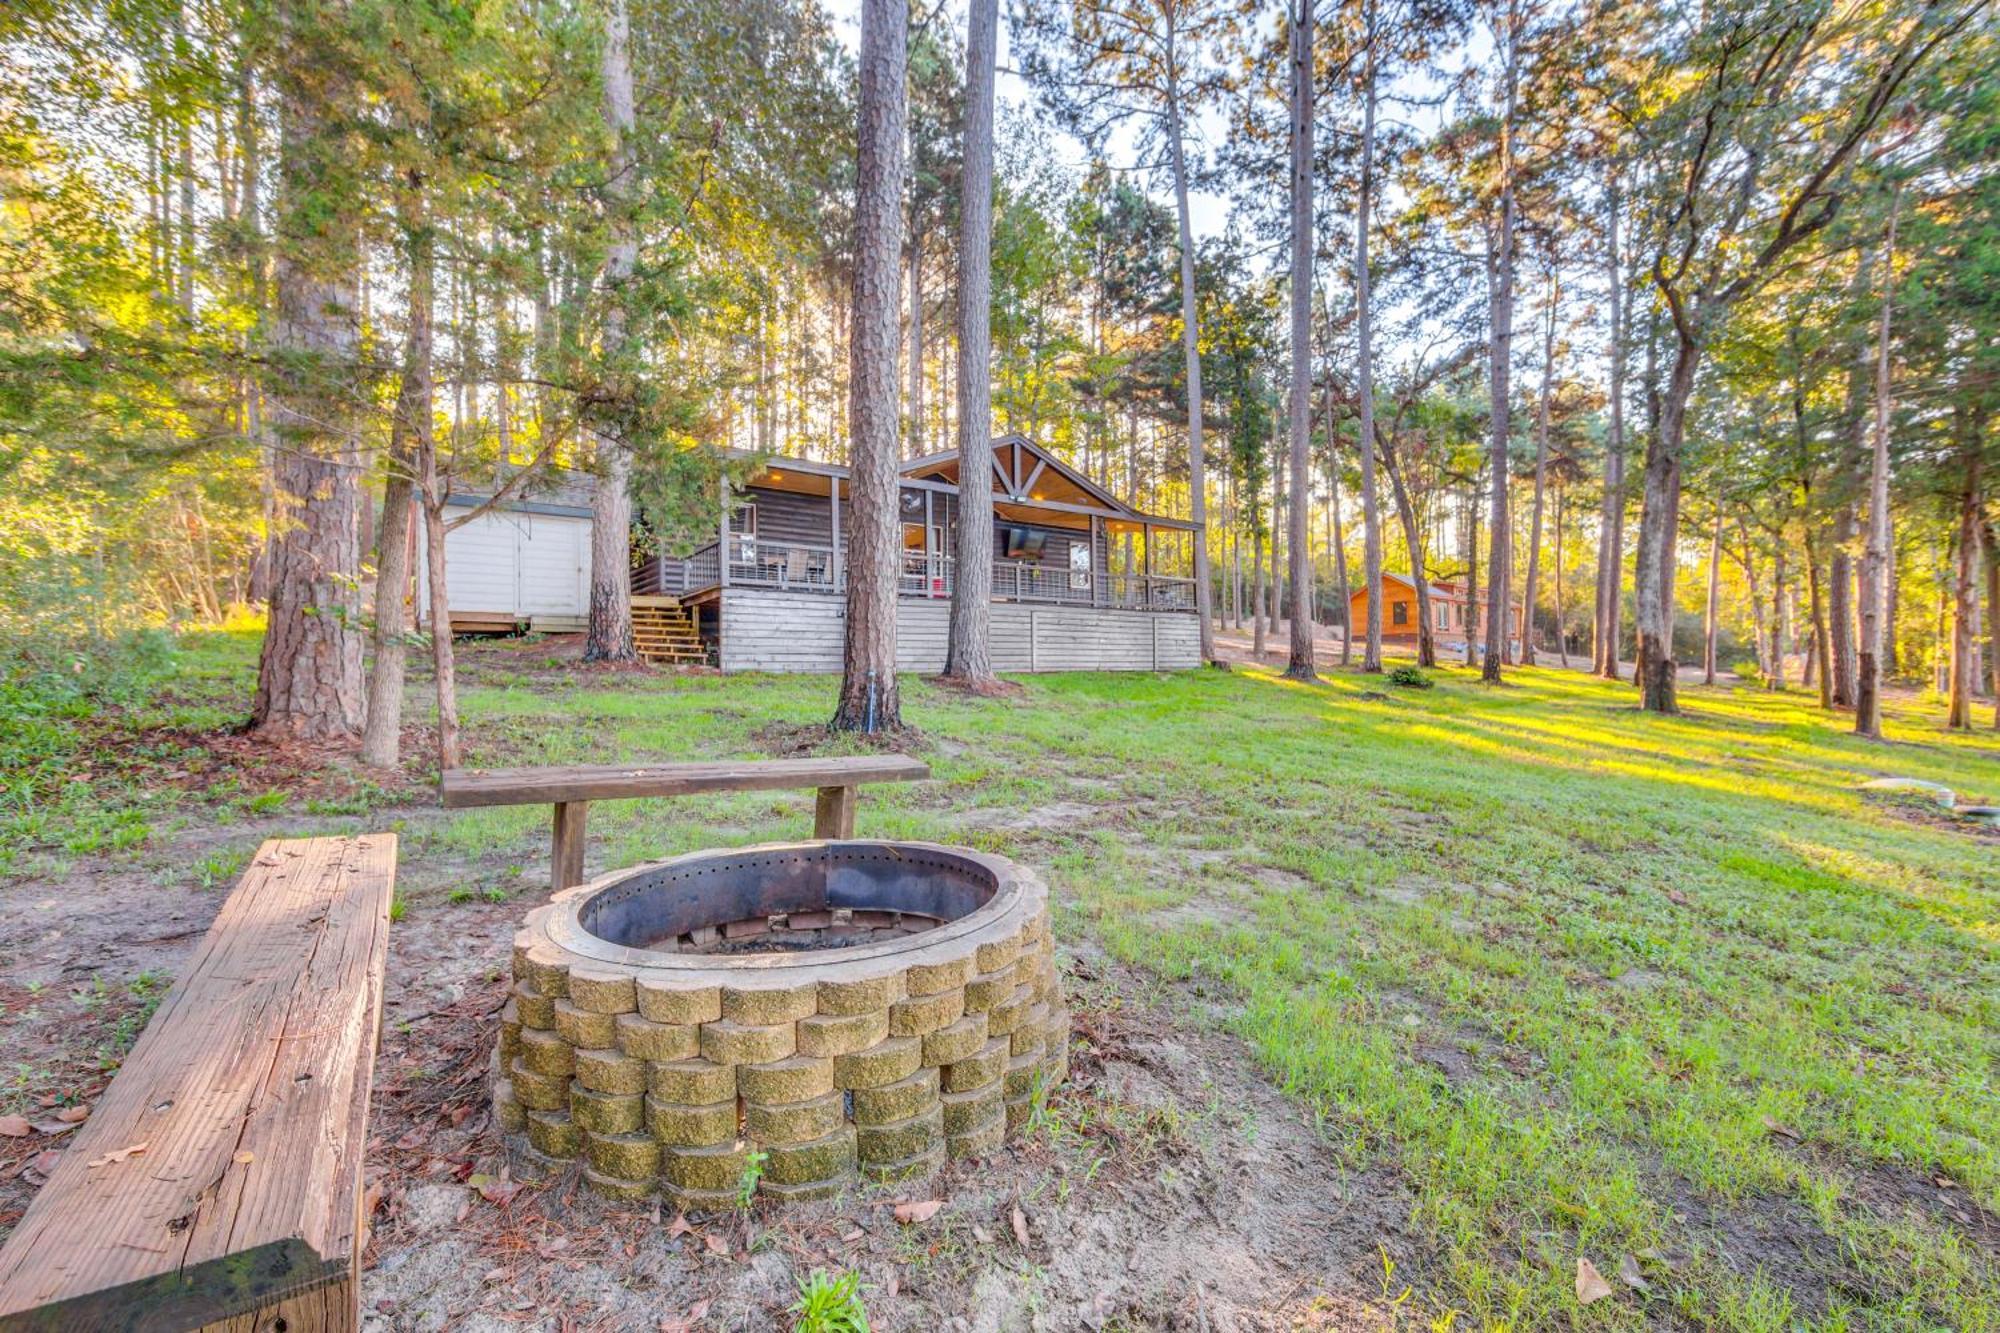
pixel 1018 463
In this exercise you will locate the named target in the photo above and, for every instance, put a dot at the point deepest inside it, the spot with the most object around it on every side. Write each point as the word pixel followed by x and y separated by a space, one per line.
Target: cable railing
pixel 817 568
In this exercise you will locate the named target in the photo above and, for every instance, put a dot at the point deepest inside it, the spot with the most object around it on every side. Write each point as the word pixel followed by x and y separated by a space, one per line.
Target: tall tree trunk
pixel 1781 627
pixel 869 700
pixel 969 657
pixel 610 630
pixel 381 742
pixel 1301 665
pixel 430 487
pixel 1472 578
pixel 1992 549
pixel 1339 536
pixel 1257 592
pixel 916 349
pixel 1605 624
pixel 1190 348
pixel 1820 639
pixel 1500 356
pixel 309 683
pixel 1958 709
pixel 1562 644
pixel 1529 587
pixel 1277 584
pixel 1874 561
pixel 1840 605
pixel 1364 386
pixel 1659 523
pixel 1713 608
pixel 1413 543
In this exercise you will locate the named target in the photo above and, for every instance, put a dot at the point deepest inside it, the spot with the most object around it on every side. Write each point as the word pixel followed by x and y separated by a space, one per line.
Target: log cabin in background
pixel 1081 580
pixel 1450 615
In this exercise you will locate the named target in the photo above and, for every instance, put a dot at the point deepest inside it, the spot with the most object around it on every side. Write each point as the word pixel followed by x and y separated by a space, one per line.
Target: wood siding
pixel 779 631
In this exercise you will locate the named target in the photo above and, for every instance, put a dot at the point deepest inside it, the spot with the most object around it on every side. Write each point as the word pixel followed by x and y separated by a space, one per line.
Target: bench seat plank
pixel 462 787
pixel 249 1090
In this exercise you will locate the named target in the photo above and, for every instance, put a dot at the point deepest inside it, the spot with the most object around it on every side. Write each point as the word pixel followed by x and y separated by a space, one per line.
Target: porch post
pixel 833 484
pixel 1096 579
pixel 722 542
pixel 1146 583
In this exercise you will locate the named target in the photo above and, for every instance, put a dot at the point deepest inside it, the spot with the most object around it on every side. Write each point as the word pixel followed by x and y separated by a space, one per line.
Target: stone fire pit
pixel 844 1008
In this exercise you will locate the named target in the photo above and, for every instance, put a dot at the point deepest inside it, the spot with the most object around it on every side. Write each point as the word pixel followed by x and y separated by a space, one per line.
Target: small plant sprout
pixel 746 1184
pixel 829 1304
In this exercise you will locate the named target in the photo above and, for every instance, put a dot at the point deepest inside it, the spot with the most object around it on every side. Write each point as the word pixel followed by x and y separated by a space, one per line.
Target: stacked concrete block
pixel 672 1074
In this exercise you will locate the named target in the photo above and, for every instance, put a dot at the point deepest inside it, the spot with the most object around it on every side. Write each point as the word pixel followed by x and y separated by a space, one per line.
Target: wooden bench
pixel 571 790
pixel 218 1181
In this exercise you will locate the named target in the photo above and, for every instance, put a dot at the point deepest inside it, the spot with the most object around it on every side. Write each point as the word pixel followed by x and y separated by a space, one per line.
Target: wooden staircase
pixel 664 632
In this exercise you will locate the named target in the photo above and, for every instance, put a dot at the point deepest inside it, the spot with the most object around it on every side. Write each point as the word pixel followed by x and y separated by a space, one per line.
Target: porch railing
pixel 812 567
pixel 792 566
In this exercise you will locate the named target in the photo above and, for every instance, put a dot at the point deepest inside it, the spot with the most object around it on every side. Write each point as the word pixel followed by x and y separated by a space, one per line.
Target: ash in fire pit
pixel 843 1008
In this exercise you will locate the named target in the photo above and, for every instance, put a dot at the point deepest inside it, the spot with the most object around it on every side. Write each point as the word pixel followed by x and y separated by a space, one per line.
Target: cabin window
pixel 1399 613
pixel 743 528
pixel 1079 564
pixel 1443 616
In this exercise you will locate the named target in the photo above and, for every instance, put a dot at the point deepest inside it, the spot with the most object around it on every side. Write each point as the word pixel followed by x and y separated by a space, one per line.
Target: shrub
pixel 1410 677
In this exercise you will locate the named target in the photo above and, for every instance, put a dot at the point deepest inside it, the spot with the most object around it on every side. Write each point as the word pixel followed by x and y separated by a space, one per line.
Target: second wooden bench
pixel 571 790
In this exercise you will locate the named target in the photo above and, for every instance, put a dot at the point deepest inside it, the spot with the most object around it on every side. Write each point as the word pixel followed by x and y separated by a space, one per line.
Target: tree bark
pixel 1987 544
pixel 381 741
pixel 1605 626
pixel 1339 536
pixel 1875 559
pixel 1191 349
pixel 1472 577
pixel 869 700
pixel 916 348
pixel 1364 385
pixel 1301 665
pixel 1659 522
pixel 1820 644
pixel 1500 357
pixel 969 656
pixel 1413 543
pixel 1713 608
pixel 1958 707
pixel 1529 588
pixel 309 682
pixel 443 662
pixel 610 629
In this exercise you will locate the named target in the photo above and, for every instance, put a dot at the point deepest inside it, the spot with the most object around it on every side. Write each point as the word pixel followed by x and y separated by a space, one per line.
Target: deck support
pixel 566 845
pixel 833 812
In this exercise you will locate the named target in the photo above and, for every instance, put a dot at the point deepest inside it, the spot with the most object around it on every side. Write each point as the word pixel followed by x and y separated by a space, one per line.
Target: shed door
pixel 554 564
pixel 482 562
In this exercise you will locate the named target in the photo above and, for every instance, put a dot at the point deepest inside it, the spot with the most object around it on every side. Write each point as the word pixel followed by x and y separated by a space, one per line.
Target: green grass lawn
pixel 1594 982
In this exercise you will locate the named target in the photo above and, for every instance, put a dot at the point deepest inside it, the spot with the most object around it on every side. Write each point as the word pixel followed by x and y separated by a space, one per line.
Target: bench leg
pixel 833 814
pixel 566 845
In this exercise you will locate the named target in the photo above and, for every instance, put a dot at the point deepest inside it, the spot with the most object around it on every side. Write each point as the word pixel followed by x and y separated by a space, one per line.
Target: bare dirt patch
pixel 1168 1187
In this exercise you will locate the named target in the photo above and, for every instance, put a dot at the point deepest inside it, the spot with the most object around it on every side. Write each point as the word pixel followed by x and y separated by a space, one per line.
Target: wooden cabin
pixel 1450 615
pixel 1081 580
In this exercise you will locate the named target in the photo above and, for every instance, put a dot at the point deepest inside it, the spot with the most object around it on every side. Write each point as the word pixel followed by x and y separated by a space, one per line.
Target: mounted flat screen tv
pixel 1026 543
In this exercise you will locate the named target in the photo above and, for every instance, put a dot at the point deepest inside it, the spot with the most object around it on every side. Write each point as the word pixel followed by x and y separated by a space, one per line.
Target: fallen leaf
pixel 1629 1274
pixel 244 1158
pixel 854 1235
pixel 1020 1227
pixel 679 1227
pixel 1590 1284
pixel 53 1127
pixel 41 1166
pixel 918 1212
pixel 15 1126
pixel 499 1192
pixel 74 1115
pixel 688 1322
pixel 1781 1129
pixel 1677 898
pixel 499 1275
pixel 716 1244
pixel 981 1234
pixel 119 1155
